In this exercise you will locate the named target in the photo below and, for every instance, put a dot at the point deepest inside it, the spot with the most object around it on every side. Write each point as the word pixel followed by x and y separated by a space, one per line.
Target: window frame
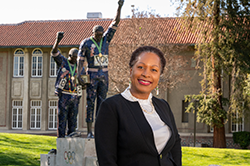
pixel 37 114
pixel 18 108
pixel 239 126
pixel 18 53
pixel 38 54
pixel 54 121
pixel 184 114
pixel 52 61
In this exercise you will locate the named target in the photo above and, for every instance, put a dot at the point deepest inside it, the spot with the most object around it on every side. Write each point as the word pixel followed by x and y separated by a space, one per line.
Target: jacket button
pixel 160 156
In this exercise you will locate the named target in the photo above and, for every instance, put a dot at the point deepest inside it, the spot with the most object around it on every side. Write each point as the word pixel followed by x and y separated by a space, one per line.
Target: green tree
pixel 224 51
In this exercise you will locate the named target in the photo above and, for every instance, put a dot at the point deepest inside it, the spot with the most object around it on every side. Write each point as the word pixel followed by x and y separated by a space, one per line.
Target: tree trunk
pixel 219 139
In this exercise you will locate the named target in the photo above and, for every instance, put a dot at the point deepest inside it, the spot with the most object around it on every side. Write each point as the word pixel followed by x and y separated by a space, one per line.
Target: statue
pixel 95 50
pixel 67 88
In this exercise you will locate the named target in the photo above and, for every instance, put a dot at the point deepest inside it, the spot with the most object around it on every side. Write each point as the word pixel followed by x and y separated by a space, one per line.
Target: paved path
pixel 39 132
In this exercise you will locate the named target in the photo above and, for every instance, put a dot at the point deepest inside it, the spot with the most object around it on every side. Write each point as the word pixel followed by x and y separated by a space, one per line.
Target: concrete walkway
pixel 39 132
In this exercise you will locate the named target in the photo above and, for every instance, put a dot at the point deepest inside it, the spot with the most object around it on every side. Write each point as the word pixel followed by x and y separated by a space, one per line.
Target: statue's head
pixel 98 32
pixel 73 52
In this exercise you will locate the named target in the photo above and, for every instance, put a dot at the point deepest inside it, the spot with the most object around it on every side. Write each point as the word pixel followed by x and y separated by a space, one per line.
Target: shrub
pixel 242 138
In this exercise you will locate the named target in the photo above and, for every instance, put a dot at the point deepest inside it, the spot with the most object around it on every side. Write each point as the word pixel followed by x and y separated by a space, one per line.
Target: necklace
pixel 71 76
pixel 98 47
pixel 151 104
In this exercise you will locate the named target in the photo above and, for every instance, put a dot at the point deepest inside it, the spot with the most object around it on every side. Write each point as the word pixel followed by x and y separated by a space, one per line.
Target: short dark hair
pixel 138 51
pixel 72 52
pixel 98 28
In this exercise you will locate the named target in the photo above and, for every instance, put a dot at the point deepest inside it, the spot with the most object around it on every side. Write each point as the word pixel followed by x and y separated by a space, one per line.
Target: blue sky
pixel 16 11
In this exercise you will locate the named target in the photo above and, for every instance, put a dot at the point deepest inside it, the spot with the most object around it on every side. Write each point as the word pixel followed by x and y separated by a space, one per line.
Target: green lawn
pixel 208 156
pixel 24 149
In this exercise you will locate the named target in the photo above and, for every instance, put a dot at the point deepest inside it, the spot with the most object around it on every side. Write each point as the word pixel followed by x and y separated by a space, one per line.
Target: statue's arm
pixel 59 37
pixel 80 63
pixel 80 67
pixel 118 13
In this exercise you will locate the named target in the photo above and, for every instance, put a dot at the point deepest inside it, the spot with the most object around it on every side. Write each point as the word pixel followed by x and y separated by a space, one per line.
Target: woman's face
pixel 145 74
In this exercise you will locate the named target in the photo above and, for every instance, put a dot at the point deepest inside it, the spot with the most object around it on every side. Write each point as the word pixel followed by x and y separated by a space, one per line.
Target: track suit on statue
pixel 69 95
pixel 97 70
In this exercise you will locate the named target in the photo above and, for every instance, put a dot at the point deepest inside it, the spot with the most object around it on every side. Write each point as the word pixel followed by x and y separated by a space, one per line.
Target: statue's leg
pixel 91 95
pixel 62 115
pixel 89 128
pixel 72 115
pixel 102 90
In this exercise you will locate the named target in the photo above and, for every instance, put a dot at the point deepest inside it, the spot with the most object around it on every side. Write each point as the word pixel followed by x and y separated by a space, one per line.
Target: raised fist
pixel 120 2
pixel 60 35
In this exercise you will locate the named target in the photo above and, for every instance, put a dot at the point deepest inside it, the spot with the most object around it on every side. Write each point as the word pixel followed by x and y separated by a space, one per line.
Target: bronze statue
pixel 95 50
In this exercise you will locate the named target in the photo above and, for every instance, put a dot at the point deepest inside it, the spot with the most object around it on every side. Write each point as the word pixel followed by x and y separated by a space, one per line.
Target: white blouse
pixel 161 131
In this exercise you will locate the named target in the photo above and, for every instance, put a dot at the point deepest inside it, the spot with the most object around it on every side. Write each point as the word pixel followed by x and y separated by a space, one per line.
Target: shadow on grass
pixel 23 151
pixel 18 159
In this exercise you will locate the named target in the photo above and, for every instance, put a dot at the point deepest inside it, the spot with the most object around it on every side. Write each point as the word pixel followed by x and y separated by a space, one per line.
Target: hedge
pixel 242 138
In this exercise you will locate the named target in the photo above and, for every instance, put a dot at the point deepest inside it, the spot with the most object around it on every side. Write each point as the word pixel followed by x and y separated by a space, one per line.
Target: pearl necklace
pixel 148 112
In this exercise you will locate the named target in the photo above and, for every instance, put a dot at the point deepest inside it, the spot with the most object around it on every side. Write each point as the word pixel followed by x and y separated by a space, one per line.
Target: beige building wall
pixel 177 95
pixel 29 88
pixel 5 61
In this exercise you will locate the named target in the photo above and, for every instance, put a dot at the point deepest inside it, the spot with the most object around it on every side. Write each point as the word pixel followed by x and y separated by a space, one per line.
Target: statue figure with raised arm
pixel 96 51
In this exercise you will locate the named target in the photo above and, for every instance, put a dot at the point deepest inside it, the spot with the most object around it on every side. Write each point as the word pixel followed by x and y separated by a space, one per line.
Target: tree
pixel 224 50
pixel 146 28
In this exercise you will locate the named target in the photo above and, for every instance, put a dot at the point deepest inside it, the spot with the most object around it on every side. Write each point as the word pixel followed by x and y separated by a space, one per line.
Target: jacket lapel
pixel 162 112
pixel 143 125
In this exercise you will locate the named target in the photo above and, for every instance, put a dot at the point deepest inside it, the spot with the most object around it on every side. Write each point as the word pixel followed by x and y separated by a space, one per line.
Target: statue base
pixel 72 152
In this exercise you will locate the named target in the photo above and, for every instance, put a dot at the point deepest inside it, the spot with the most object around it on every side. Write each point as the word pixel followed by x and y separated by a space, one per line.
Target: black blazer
pixel 123 136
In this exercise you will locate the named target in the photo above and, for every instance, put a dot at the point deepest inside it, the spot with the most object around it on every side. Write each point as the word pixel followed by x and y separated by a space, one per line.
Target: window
pixel 193 62
pixel 184 113
pixel 53 67
pixel 18 63
pixel 237 122
pixel 53 114
pixel 17 114
pixel 37 63
pixel 35 114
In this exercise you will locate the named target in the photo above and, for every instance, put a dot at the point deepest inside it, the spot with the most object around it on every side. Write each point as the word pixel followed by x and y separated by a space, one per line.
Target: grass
pixel 24 150
pixel 208 156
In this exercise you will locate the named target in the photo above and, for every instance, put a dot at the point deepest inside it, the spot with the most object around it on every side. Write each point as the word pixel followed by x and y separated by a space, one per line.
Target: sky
pixel 16 11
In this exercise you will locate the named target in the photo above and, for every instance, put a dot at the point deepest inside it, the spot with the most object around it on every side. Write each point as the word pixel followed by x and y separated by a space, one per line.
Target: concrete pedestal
pixel 47 160
pixel 72 152
pixel 91 161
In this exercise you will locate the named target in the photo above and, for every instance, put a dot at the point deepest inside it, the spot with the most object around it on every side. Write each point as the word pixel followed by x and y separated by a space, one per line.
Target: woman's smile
pixel 144 82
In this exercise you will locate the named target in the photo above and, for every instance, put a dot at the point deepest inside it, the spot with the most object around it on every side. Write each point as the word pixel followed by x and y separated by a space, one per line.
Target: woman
pixel 134 128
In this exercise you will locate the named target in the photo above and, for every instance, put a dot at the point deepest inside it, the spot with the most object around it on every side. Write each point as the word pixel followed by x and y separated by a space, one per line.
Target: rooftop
pixel 43 33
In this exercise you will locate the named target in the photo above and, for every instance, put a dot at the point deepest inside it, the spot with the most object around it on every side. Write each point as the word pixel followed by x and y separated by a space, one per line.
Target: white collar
pixel 127 95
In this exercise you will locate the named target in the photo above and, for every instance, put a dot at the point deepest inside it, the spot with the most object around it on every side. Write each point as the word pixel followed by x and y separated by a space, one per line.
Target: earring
pixel 129 83
pixel 157 90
